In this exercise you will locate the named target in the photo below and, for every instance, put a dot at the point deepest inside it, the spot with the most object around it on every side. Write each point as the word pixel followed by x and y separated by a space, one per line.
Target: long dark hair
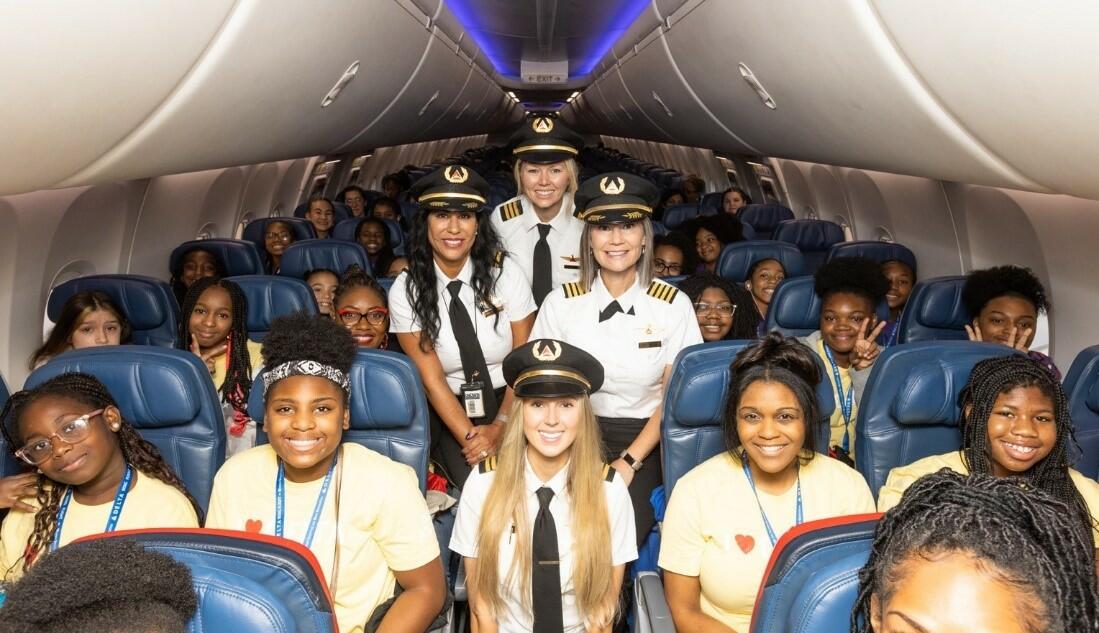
pixel 137 452
pixel 745 318
pixel 178 289
pixel 238 377
pixel 72 315
pixel 420 283
pixel 381 262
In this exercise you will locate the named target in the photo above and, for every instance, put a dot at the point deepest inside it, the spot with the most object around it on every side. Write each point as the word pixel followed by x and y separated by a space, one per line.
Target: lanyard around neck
pixel 280 501
pixel 798 517
pixel 112 518
pixel 846 401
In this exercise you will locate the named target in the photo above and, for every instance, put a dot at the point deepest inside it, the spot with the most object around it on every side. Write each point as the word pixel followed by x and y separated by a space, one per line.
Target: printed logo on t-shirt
pixel 745 542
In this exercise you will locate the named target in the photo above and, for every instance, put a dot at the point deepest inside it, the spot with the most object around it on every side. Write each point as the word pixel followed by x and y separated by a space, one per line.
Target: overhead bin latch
pixel 764 96
pixel 344 79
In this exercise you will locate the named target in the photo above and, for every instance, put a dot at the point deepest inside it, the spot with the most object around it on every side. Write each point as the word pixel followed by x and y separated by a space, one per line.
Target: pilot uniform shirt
pixel 517 224
pixel 384 526
pixel 510 301
pixel 633 348
pixel 901 477
pixel 516 618
pixel 713 529
pixel 151 503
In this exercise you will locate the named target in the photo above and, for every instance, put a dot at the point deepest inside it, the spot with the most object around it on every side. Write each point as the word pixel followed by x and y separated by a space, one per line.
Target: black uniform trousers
pixel 619 433
pixel 446 452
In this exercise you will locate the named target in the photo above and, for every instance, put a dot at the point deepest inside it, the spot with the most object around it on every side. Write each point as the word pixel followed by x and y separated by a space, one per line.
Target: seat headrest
pixel 302 257
pixel 880 252
pixel 809 235
pixel 711 202
pixel 677 214
pixel 245 583
pixel 737 259
pixel 147 303
pixel 764 218
pixel 167 395
pixel 935 311
pixel 241 257
pixel 269 297
pixel 795 308
pixel 1082 390
pixel 255 230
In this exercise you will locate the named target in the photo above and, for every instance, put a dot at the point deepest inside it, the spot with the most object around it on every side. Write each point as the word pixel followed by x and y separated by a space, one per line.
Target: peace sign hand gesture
pixel 209 356
pixel 866 346
pixel 1016 338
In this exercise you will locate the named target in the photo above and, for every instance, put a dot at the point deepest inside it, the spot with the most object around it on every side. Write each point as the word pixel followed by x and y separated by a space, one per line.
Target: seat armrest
pixel 460 583
pixel 651 614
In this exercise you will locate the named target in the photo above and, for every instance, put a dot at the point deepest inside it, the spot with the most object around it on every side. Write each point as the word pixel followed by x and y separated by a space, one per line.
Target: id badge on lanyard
pixel 473 397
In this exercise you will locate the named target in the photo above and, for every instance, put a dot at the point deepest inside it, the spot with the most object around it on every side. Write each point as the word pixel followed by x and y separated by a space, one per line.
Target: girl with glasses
pixel 724 310
pixel 360 306
pixel 95 473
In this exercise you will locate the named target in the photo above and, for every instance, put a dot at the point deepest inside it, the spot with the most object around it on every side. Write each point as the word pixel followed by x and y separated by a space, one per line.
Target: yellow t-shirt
pixel 901 477
pixel 384 523
pixel 713 529
pixel 836 423
pixel 151 503
pixel 220 363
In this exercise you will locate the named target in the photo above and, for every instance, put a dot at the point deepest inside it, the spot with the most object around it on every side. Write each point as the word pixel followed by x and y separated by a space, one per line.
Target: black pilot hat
pixel 451 188
pixel 548 368
pixel 544 140
pixel 616 197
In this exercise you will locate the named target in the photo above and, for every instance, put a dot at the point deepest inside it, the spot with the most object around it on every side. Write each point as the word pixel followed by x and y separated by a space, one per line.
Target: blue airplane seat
pixel 388 409
pixel 255 230
pixel 1082 390
pixel 736 259
pixel 302 257
pixel 269 297
pixel 909 409
pixel 814 238
pixel 147 302
pixel 935 312
pixel 812 580
pixel 748 232
pixel 795 308
pixel 409 210
pixel 167 395
pixel 711 203
pixel 675 280
pixel 241 257
pixel 346 231
pixel 694 408
pixel 385 282
pixel 765 218
pixel 340 212
pixel 9 464
pixel 245 583
pixel 873 249
pixel 659 228
pixel 677 214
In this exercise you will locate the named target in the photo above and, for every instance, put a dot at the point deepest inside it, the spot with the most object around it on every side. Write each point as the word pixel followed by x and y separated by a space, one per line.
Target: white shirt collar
pixel 556 483
pixel 559 221
pixel 603 296
pixel 465 275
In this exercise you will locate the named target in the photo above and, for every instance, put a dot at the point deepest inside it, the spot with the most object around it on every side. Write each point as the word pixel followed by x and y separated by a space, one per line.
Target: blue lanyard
pixel 112 518
pixel 798 520
pixel 280 501
pixel 893 330
pixel 846 402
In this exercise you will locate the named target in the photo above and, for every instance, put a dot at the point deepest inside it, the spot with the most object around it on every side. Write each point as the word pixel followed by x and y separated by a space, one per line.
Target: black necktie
pixel 612 309
pixel 543 266
pixel 546 570
pixel 469 349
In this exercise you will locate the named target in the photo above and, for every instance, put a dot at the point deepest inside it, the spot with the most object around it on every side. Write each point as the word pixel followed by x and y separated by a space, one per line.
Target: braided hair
pixel 994 376
pixel 139 453
pixel 745 318
pixel 420 283
pixel 238 376
pixel 1020 535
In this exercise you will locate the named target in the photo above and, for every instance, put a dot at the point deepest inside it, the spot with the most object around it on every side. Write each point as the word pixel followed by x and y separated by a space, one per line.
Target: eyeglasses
pixel 278 236
pixel 71 432
pixel 375 316
pixel 721 308
pixel 662 266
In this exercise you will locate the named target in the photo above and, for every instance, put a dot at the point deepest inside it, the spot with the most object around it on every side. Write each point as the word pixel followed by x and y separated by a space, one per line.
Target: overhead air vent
pixel 764 96
pixel 344 79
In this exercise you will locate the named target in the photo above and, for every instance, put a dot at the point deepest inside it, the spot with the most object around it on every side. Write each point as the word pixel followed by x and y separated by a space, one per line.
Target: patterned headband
pixel 305 368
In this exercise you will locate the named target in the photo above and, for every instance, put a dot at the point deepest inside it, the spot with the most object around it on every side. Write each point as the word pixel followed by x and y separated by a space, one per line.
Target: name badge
pixel 648 344
pixel 473 399
pixel 572 262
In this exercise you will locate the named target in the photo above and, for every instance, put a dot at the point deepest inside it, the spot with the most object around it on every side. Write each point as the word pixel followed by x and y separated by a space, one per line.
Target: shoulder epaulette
pixel 487 465
pixel 574 289
pixel 663 291
pixel 608 472
pixel 498 259
pixel 511 209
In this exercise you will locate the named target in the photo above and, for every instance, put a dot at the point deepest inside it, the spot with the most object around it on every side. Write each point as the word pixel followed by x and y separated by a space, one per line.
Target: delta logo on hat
pixel 456 174
pixel 542 125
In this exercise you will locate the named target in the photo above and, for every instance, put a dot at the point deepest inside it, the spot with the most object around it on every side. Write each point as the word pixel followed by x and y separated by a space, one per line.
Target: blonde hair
pixel 570 166
pixel 506 506
pixel 589 268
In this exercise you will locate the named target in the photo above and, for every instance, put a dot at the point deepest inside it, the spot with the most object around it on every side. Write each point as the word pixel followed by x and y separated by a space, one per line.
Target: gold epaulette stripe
pixel 498 259
pixel 511 210
pixel 664 292
pixel 574 289
pixel 608 472
pixel 487 465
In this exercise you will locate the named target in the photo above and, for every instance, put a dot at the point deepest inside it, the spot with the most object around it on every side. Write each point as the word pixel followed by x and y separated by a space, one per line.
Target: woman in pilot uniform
pixel 538 227
pixel 632 323
pixel 457 311
pixel 548 498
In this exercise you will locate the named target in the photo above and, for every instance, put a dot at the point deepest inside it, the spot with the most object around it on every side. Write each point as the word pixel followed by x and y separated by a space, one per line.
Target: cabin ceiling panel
pixel 1020 75
pixel 72 92
pixel 634 118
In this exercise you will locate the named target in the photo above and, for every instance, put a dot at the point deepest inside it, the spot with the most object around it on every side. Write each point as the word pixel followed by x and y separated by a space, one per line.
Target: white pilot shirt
pixel 517 222
pixel 634 349
pixel 463 541
pixel 511 297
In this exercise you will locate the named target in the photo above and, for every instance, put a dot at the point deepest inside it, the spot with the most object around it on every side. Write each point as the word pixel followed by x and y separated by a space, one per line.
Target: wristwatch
pixel 635 464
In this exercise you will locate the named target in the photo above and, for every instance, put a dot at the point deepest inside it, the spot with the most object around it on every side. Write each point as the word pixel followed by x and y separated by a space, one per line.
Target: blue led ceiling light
pixel 627 11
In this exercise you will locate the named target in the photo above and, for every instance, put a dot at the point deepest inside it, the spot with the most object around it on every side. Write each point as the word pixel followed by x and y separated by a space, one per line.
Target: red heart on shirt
pixel 253 525
pixel 745 542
